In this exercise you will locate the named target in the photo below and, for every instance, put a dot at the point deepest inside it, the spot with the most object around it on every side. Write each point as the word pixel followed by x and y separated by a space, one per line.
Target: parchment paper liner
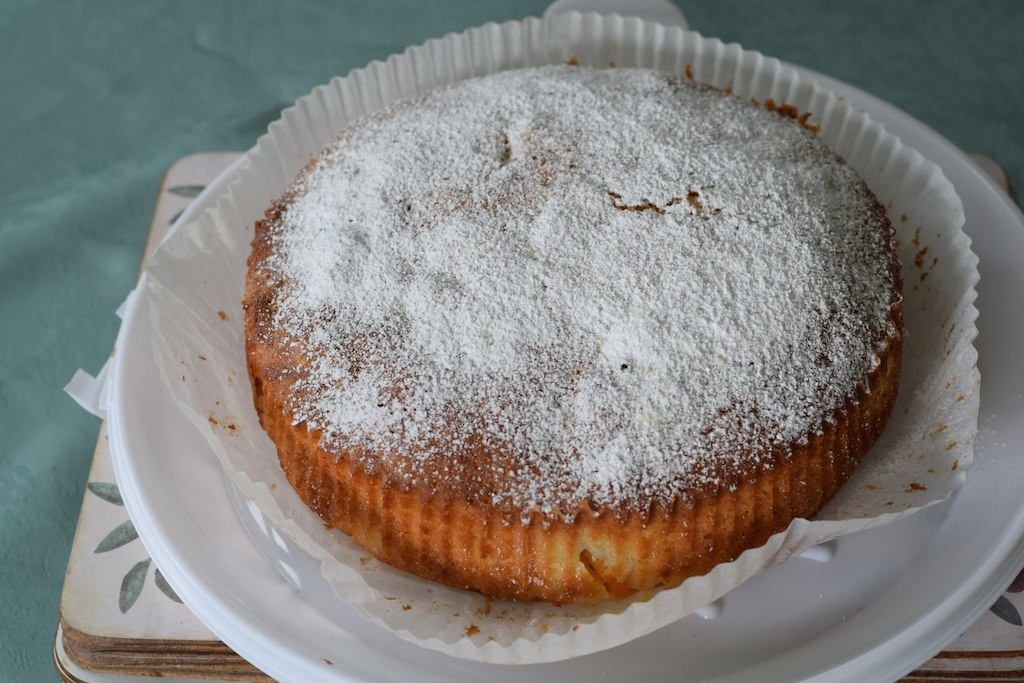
pixel 196 280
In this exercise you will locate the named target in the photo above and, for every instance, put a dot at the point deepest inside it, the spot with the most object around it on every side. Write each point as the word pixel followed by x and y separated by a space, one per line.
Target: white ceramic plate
pixel 889 599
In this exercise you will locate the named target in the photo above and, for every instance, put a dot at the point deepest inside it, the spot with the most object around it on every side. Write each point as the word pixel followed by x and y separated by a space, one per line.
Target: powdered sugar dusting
pixel 564 285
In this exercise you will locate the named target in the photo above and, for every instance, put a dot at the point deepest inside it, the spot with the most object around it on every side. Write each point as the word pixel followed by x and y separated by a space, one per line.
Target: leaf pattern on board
pixel 123 533
pixel 1017 585
pixel 131 585
pixel 106 491
pixel 190 191
pixel 164 587
pixel 1005 610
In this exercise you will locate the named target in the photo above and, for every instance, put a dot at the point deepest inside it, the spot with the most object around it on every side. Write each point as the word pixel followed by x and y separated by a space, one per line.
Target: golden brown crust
pixel 453 533
pixel 601 553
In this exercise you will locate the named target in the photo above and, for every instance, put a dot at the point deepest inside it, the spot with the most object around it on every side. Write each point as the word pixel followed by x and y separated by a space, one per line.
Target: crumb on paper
pixel 230 426
pixel 406 607
pixel 956 464
pixel 222 315
pixel 688 71
pixel 915 486
pixel 472 630
pixel 201 356
pixel 951 445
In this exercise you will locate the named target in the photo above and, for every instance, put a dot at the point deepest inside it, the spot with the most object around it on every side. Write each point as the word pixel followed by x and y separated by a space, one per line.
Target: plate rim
pixel 989 586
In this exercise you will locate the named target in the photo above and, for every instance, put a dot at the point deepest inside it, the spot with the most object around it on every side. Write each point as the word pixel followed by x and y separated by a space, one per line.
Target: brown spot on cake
pixel 506 150
pixel 693 198
pixel 642 205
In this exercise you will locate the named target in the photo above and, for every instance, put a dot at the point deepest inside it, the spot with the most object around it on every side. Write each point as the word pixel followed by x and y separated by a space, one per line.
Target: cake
pixel 572 334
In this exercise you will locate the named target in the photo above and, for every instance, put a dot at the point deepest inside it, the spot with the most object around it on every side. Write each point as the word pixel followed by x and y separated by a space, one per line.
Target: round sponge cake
pixel 568 334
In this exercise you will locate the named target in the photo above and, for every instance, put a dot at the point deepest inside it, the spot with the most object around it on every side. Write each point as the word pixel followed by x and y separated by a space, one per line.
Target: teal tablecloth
pixel 97 99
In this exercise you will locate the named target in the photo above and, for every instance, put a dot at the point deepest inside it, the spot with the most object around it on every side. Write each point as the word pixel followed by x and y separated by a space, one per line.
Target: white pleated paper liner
pixel 196 282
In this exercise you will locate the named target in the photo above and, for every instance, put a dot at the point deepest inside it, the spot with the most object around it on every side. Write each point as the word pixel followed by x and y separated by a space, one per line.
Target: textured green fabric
pixel 98 99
